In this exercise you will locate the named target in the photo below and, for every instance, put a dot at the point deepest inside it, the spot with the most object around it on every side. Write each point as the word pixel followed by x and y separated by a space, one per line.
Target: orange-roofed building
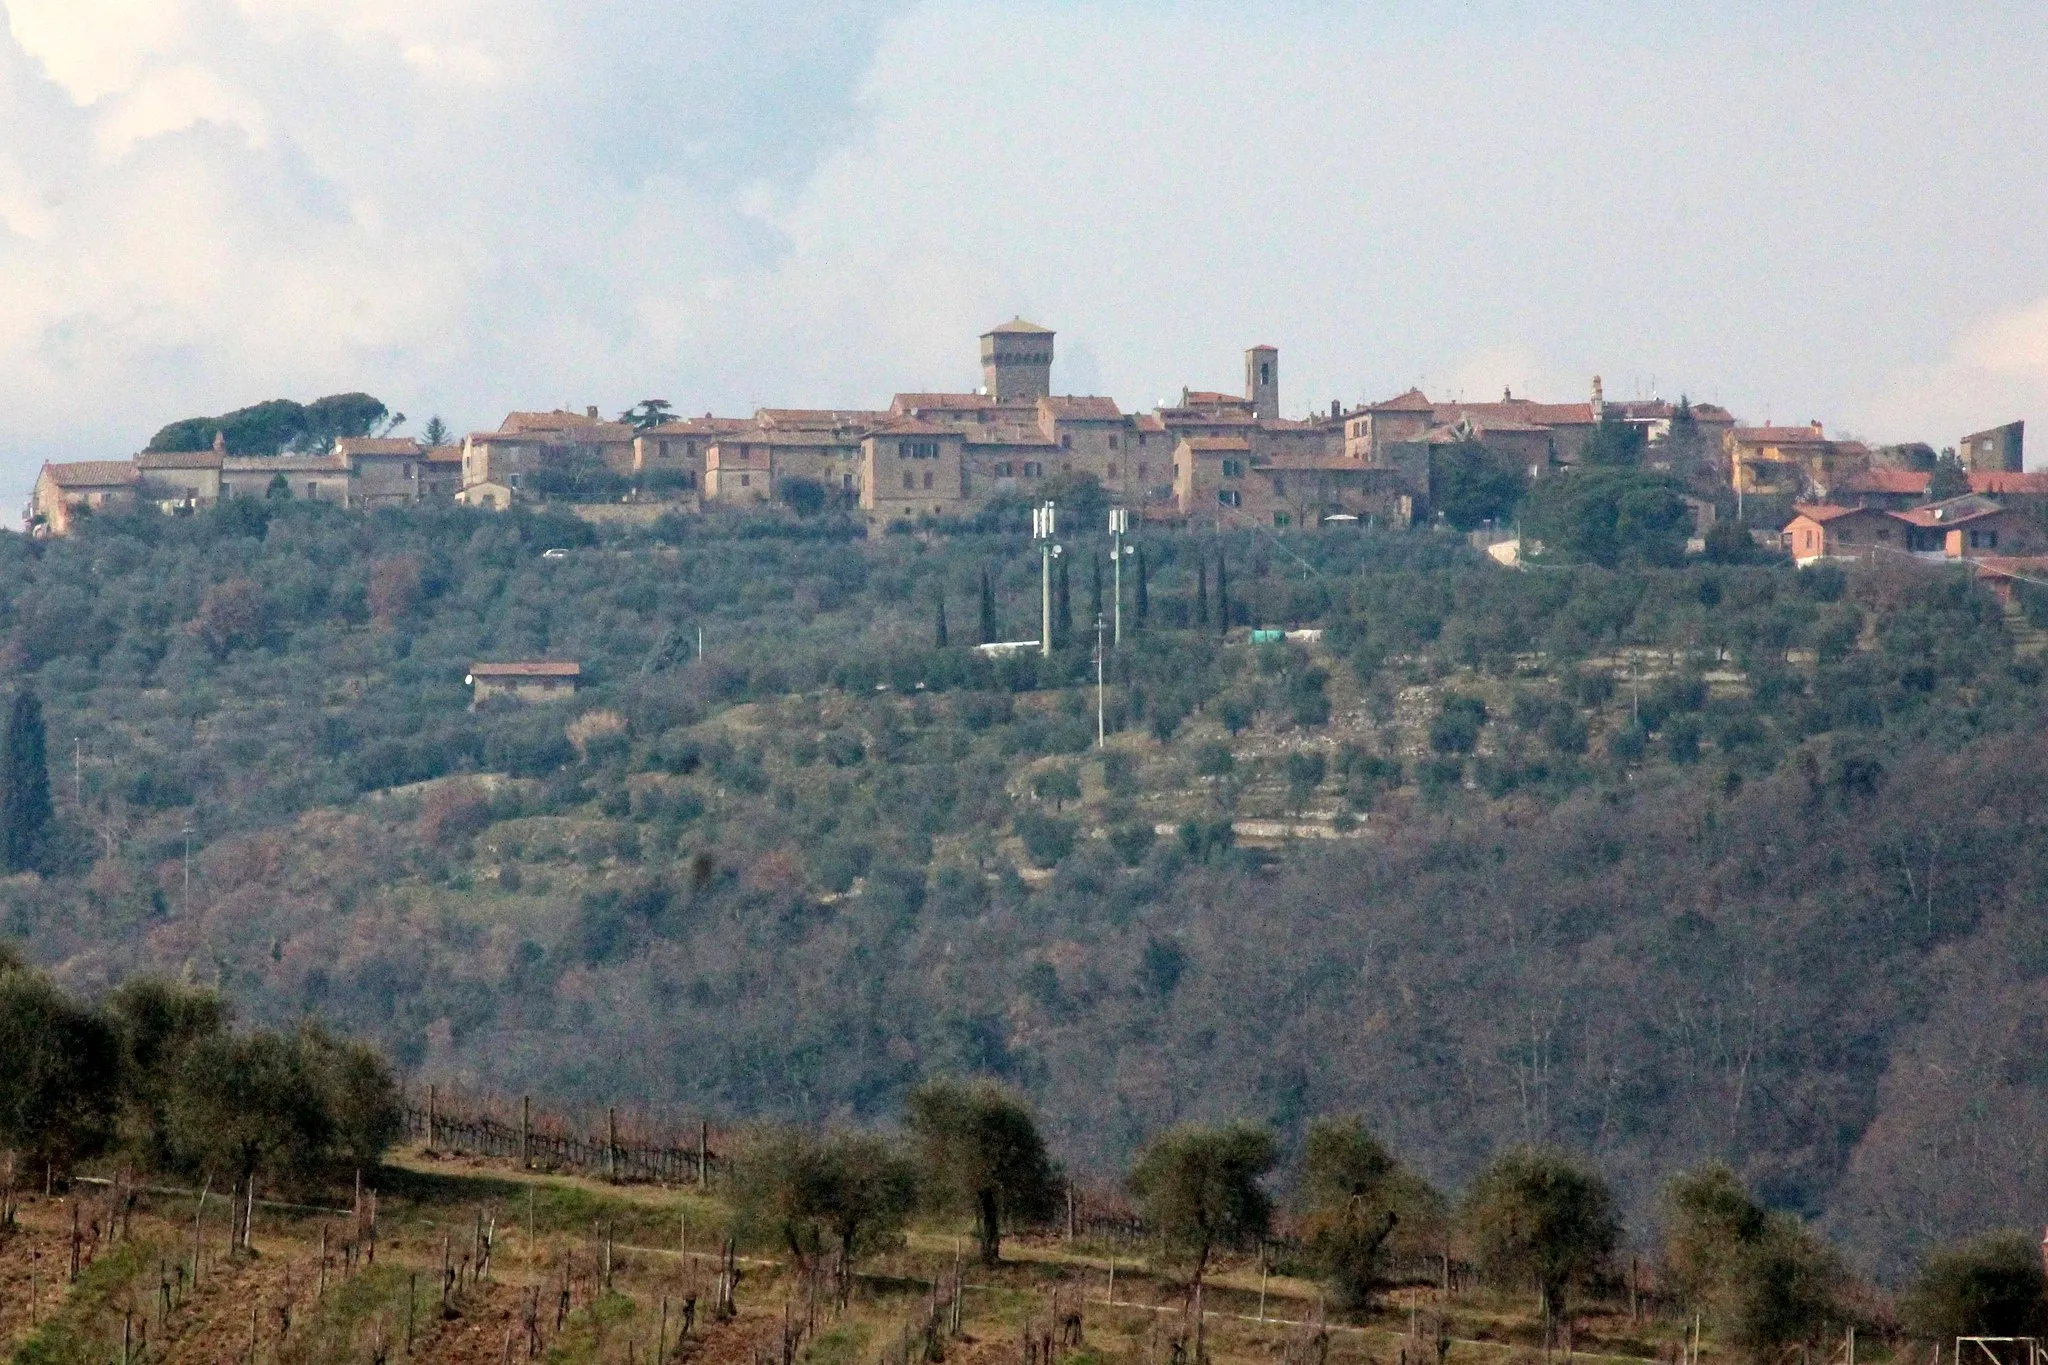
pixel 1824 531
pixel 66 492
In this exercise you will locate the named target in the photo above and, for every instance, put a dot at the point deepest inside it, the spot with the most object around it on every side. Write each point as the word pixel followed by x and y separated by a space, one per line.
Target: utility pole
pixel 188 867
pixel 1119 527
pixel 1100 734
pixel 1044 521
pixel 78 771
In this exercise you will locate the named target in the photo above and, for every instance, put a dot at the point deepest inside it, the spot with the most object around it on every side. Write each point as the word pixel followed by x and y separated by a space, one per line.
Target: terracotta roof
pixel 354 445
pixel 1519 410
pixel 913 428
pixel 1995 483
pixel 178 459
pixel 91 473
pixel 819 419
pixel 1216 443
pixel 443 455
pixel 1017 326
pixel 1189 417
pixel 905 404
pixel 1907 482
pixel 1082 408
pixel 285 464
pixel 1826 512
pixel 1203 398
pixel 535 668
pixel 1411 401
pixel 699 426
pixel 575 425
pixel 1148 422
pixel 2011 566
pixel 1953 512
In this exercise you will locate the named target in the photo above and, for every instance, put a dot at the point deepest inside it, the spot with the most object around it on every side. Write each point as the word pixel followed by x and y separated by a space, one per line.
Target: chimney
pixel 220 443
pixel 1599 400
pixel 1815 424
pixel 1336 409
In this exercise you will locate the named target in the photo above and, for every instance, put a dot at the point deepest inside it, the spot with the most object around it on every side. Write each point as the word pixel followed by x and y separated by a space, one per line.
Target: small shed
pixel 523 680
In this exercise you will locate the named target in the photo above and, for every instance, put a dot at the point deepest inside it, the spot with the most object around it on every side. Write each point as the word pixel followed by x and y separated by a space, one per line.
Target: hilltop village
pixel 1212 460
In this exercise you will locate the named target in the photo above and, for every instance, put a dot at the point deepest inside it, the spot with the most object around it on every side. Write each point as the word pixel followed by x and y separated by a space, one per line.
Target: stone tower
pixel 1262 380
pixel 1016 362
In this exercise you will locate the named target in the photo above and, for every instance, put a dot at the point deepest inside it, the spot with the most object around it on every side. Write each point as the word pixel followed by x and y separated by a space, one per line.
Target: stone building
pixel 65 492
pixel 1796 462
pixel 531 680
pixel 1999 450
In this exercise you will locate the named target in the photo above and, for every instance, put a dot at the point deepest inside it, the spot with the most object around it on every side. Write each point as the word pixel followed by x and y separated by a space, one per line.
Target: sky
pixel 1824 211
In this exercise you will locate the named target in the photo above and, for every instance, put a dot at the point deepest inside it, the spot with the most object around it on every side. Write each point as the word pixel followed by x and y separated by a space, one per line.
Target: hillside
pixel 1658 865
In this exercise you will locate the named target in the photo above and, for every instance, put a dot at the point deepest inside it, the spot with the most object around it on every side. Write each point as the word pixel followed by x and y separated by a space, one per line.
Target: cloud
pixel 170 100
pixel 2013 343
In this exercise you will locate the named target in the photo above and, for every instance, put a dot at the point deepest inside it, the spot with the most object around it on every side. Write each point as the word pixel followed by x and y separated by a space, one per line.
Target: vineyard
pixel 467 1260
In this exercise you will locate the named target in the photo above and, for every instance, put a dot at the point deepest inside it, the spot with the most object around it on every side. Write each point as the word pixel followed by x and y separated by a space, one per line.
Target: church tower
pixel 1262 381
pixel 1016 362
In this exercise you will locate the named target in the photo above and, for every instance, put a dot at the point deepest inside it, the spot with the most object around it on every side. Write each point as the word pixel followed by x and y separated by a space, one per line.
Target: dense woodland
pixel 1655 865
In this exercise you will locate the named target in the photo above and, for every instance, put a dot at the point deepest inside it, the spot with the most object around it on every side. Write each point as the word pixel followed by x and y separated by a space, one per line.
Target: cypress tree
pixel 24 785
pixel 1144 591
pixel 940 633
pixel 1222 595
pixel 1095 588
pixel 1201 592
pixel 1063 615
pixel 988 609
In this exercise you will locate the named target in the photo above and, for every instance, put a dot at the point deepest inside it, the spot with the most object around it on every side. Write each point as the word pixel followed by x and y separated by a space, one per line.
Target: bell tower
pixel 1016 362
pixel 1262 381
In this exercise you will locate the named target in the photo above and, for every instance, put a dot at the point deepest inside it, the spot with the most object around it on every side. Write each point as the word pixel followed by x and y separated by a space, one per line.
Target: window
pixel 917 450
pixel 1230 497
pixel 909 479
pixel 1142 471
pixel 312 489
pixel 746 480
pixel 1112 471
pixel 1112 440
pixel 1282 519
pixel 1033 469
pixel 846 482
pixel 1233 469
pixel 1066 440
pixel 408 469
pixel 1279 486
pixel 1003 469
pixel 1265 373
pixel 927 478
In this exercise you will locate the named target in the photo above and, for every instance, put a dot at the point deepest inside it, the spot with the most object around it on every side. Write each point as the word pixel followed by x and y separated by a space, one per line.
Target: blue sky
pixel 466 206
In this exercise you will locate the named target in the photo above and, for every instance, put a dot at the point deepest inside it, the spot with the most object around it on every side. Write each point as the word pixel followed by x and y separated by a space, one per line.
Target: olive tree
pixel 1992 1286
pixel 59 1086
pixel 1763 1277
pixel 1537 1215
pixel 1199 1187
pixel 981 1153
pixel 1353 1195
pixel 848 1193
